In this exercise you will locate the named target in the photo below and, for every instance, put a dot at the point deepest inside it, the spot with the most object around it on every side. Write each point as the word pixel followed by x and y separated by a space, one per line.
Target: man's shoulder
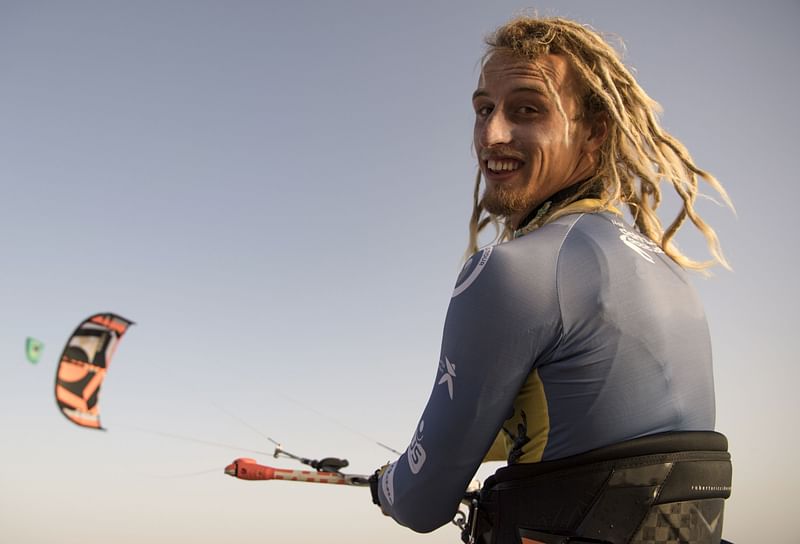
pixel 550 238
pixel 535 256
pixel 605 240
pixel 550 235
pixel 605 231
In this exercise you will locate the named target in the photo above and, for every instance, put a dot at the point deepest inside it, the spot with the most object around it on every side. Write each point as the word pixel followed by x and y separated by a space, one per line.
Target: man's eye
pixel 527 110
pixel 483 111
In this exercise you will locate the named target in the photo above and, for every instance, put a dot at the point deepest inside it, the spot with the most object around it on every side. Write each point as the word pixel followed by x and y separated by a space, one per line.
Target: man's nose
pixel 496 130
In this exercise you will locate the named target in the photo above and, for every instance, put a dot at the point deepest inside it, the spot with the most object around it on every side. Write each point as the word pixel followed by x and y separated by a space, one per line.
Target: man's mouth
pixel 502 166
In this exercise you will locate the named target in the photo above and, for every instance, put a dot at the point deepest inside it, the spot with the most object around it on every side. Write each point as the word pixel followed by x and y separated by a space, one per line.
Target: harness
pixel 667 488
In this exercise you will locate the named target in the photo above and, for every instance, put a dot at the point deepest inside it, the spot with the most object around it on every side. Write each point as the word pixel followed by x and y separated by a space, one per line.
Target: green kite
pixel 33 349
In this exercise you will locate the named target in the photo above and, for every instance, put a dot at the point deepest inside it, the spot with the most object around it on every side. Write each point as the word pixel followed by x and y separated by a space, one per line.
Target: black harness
pixel 667 488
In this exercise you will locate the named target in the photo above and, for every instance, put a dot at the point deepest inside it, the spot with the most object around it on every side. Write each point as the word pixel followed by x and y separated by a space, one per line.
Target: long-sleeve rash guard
pixel 578 335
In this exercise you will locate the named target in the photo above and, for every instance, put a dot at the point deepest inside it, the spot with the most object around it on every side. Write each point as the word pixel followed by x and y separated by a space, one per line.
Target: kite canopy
pixel 83 367
pixel 33 349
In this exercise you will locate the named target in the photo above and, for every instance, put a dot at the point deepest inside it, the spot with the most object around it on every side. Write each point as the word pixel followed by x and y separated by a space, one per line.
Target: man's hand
pixel 373 484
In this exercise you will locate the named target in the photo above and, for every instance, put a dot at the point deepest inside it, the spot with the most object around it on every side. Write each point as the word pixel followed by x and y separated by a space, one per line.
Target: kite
pixel 33 349
pixel 83 367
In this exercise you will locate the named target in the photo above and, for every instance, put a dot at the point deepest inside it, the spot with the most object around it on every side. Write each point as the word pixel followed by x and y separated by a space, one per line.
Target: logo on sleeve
pixel 640 244
pixel 472 269
pixel 416 453
pixel 448 375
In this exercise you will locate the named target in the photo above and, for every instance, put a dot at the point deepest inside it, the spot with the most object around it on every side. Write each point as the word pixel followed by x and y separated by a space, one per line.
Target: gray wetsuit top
pixel 576 336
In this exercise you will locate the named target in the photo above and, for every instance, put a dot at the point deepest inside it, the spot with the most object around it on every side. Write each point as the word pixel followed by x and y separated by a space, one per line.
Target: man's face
pixel 526 148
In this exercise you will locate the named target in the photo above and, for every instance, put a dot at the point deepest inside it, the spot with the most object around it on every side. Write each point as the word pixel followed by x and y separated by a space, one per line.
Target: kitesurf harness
pixel 663 488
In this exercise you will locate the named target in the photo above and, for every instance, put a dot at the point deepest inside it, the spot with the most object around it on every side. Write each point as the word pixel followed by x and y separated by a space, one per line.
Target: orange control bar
pixel 248 469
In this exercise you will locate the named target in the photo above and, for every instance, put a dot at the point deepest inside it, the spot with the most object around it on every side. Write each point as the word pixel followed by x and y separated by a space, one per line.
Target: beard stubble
pixel 504 201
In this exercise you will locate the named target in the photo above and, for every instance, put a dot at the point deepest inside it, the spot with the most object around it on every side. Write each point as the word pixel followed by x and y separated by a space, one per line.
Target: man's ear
pixel 598 132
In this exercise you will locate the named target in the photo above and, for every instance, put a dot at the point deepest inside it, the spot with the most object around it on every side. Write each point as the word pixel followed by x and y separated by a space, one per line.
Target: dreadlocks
pixel 637 155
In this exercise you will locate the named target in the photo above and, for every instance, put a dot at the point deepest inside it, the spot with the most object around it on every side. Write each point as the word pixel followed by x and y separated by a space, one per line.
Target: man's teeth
pixel 503 165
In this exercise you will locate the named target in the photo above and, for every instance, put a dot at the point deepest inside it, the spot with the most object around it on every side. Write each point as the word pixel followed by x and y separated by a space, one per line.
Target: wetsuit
pixel 578 335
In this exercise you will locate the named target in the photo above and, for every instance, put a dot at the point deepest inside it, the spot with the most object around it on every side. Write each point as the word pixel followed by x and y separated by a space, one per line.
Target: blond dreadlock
pixel 637 154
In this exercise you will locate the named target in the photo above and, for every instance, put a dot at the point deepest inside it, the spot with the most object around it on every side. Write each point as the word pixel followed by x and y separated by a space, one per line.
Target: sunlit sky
pixel 278 194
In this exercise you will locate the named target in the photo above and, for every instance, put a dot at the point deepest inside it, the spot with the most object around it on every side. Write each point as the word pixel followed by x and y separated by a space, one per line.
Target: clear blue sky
pixel 278 196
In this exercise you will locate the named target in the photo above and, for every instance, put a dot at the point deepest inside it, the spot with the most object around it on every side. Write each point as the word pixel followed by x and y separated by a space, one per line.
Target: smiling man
pixel 530 146
pixel 574 347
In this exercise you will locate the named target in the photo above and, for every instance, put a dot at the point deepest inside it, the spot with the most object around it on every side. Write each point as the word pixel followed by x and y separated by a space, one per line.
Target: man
pixel 576 349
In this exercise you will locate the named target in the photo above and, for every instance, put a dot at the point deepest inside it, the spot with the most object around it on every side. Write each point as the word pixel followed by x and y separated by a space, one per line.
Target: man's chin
pixel 503 203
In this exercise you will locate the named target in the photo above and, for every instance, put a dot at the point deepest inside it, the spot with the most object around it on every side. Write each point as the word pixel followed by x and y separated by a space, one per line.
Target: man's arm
pixel 497 324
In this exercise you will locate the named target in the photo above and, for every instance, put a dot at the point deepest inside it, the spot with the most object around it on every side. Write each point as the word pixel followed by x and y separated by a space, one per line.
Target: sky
pixel 278 195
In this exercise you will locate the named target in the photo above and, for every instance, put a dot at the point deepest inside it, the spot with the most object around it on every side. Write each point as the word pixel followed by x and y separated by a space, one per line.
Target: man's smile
pixel 501 165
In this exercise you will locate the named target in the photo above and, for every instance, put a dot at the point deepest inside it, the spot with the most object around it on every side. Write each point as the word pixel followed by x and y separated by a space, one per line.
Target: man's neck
pixel 554 200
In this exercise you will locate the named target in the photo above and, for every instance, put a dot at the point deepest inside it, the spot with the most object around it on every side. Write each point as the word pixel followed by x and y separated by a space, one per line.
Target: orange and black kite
pixel 83 366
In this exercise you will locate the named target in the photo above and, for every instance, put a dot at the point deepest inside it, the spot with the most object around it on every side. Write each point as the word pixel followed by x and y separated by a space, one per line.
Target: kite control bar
pixel 329 470
pixel 248 469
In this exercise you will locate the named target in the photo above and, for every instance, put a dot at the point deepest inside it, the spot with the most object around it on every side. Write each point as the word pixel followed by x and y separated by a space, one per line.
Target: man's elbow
pixel 425 518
